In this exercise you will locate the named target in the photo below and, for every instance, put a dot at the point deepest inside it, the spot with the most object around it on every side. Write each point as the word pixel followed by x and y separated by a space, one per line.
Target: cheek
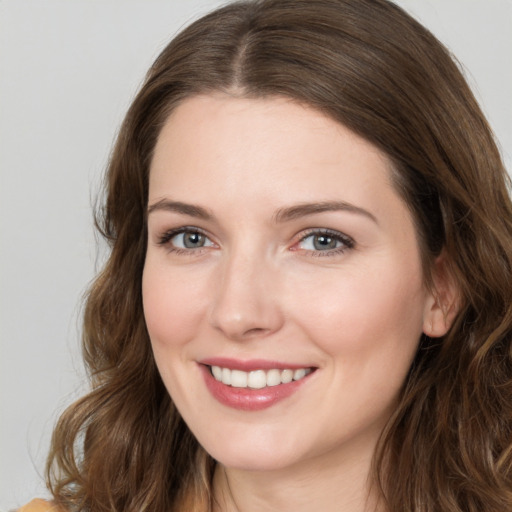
pixel 368 327
pixel 172 310
pixel 364 314
pixel 172 305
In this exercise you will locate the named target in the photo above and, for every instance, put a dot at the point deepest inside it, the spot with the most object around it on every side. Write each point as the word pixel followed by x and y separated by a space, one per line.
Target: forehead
pixel 220 138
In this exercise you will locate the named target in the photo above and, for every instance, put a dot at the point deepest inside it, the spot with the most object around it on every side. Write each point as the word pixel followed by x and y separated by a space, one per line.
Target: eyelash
pixel 346 241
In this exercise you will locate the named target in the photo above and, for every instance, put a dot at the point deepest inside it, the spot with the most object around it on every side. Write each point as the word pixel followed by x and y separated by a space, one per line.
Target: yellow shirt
pixel 39 505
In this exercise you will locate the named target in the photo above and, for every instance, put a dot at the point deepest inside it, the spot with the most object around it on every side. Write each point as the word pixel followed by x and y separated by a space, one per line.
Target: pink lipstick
pixel 252 385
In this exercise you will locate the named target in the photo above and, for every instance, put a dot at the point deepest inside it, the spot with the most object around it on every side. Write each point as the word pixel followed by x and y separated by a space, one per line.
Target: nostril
pixel 256 331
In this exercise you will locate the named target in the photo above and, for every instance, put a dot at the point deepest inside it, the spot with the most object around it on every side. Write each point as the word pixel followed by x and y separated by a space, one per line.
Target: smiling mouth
pixel 257 379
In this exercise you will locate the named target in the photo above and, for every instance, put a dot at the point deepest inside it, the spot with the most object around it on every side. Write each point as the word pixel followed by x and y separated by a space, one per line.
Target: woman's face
pixel 278 249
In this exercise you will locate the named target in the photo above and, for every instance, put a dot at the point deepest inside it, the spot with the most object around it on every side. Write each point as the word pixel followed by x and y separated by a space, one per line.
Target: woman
pixel 308 298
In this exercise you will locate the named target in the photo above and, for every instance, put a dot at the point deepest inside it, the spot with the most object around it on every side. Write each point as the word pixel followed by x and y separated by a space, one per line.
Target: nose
pixel 246 302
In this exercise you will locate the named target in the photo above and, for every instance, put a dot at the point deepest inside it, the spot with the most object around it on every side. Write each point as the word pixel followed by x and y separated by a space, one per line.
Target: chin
pixel 256 453
pixel 256 462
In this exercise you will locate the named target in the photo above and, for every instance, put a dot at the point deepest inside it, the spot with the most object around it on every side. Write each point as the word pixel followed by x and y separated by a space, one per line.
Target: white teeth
pixel 298 374
pixel 257 379
pixel 286 376
pixel 217 372
pixel 273 377
pixel 238 378
pixel 226 376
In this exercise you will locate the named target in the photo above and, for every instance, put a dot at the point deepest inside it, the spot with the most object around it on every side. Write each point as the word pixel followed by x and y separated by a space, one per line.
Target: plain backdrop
pixel 68 70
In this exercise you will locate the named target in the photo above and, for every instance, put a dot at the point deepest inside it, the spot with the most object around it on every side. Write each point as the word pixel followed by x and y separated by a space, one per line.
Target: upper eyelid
pixel 326 231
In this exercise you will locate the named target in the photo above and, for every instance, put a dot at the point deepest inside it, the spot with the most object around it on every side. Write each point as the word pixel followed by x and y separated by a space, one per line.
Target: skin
pixel 259 288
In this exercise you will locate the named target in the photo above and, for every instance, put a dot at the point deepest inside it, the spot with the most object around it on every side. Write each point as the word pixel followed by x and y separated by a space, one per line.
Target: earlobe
pixel 443 302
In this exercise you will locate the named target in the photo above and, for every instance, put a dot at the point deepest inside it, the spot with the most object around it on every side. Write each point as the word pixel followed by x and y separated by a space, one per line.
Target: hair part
pixel 368 65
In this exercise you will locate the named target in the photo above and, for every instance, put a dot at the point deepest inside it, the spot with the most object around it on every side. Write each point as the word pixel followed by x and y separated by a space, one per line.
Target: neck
pixel 327 483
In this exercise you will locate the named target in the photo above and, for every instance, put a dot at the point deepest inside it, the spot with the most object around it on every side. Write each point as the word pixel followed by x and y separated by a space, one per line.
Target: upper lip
pixel 251 364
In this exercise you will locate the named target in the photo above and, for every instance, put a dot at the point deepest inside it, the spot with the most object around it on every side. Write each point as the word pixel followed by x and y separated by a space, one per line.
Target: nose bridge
pixel 245 301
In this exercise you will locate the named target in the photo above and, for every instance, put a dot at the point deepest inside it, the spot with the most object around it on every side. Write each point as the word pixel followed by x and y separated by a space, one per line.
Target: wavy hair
pixel 370 66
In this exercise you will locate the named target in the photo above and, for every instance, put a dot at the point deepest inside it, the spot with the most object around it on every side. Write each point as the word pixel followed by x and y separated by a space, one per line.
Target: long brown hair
pixel 370 66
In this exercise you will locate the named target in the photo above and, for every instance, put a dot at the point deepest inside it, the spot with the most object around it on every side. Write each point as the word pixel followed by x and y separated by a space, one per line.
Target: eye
pixel 185 239
pixel 189 240
pixel 325 241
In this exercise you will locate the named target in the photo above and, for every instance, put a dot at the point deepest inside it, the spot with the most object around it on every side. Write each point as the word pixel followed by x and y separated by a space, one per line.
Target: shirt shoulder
pixel 39 505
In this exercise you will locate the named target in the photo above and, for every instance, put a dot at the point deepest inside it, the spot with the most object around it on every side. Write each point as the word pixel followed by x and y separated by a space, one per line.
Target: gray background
pixel 68 70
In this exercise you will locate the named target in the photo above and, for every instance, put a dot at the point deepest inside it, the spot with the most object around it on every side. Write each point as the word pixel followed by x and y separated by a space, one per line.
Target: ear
pixel 443 301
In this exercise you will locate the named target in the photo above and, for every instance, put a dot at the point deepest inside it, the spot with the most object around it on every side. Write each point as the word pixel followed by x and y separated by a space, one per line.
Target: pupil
pixel 324 242
pixel 193 240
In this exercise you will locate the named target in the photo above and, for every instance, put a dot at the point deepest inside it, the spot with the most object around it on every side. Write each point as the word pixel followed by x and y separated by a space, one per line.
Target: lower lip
pixel 248 399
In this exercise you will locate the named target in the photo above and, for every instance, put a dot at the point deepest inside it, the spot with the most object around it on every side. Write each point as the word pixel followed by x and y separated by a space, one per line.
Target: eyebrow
pixel 302 210
pixel 179 207
pixel 281 215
